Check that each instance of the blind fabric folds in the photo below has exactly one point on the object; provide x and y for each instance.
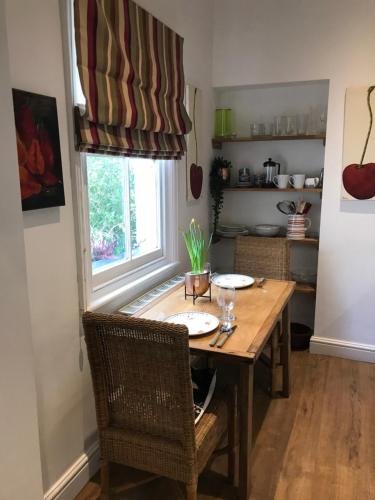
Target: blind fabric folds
(131, 73)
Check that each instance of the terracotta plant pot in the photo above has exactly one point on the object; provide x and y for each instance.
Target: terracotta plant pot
(225, 174)
(197, 283)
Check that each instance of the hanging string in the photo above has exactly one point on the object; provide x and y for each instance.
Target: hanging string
(195, 128)
(369, 90)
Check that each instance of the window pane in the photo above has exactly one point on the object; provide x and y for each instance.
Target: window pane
(144, 206)
(107, 202)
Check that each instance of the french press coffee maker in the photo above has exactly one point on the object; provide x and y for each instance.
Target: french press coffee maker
(272, 169)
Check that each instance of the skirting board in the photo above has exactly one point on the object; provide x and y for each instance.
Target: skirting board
(342, 349)
(76, 477)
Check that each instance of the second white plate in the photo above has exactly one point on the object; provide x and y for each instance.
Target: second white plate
(198, 323)
(233, 280)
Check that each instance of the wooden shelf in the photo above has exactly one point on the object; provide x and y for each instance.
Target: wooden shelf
(305, 288)
(306, 241)
(217, 142)
(275, 190)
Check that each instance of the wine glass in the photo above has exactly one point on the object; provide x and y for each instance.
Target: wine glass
(226, 299)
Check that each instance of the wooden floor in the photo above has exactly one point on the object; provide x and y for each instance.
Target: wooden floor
(319, 444)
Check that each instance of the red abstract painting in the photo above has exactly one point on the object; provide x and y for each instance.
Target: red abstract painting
(38, 148)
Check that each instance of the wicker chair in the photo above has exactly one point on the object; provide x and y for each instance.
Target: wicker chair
(144, 401)
(268, 257)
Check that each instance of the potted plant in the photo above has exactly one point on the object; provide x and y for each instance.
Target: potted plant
(219, 179)
(197, 280)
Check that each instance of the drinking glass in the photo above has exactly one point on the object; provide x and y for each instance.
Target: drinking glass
(254, 129)
(301, 124)
(261, 129)
(312, 122)
(291, 125)
(280, 125)
(269, 128)
(225, 299)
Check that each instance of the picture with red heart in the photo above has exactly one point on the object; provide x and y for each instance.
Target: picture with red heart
(358, 178)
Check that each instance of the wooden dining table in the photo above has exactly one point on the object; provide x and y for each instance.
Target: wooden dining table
(257, 312)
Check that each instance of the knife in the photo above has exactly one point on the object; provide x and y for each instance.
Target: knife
(216, 338)
(226, 336)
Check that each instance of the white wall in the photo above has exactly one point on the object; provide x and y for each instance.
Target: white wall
(20, 471)
(35, 51)
(65, 405)
(270, 41)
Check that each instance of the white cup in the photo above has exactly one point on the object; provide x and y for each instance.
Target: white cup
(297, 181)
(312, 182)
(281, 181)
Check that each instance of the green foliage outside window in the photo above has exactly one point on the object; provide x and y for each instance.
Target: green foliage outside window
(106, 207)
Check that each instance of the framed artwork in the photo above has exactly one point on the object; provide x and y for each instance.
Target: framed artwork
(358, 176)
(194, 172)
(38, 148)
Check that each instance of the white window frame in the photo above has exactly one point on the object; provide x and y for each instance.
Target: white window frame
(103, 286)
(113, 271)
(111, 294)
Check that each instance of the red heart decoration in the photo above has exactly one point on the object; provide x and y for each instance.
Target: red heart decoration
(196, 180)
(359, 181)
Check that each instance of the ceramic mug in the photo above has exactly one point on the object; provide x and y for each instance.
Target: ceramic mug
(297, 227)
(312, 182)
(297, 181)
(281, 181)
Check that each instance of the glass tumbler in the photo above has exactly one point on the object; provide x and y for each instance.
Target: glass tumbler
(291, 125)
(226, 299)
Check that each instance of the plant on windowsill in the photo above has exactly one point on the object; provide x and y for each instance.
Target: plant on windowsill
(197, 280)
(219, 179)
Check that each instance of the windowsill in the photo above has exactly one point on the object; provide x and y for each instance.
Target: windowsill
(112, 301)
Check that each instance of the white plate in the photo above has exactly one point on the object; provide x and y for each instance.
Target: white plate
(232, 234)
(234, 280)
(266, 230)
(198, 323)
(225, 227)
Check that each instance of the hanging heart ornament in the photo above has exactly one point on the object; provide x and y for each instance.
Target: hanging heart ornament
(196, 171)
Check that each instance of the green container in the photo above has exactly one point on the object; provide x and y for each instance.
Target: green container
(223, 122)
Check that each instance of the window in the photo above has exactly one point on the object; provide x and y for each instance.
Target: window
(124, 212)
(126, 216)
(125, 209)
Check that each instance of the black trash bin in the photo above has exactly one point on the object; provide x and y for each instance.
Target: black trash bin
(300, 336)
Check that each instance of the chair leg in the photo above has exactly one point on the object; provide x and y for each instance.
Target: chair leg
(192, 490)
(232, 437)
(104, 480)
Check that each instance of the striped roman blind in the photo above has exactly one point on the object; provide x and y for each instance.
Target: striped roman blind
(131, 72)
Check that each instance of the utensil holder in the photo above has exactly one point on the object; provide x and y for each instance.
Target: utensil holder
(297, 227)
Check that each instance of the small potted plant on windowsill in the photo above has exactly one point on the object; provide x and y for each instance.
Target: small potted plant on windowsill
(197, 280)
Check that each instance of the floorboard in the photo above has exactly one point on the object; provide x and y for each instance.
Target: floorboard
(318, 444)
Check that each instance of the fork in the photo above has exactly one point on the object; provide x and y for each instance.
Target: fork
(217, 336)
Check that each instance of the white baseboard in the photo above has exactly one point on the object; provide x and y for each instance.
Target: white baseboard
(342, 349)
(75, 478)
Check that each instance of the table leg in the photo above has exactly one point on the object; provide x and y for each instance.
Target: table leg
(245, 404)
(275, 339)
(285, 350)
